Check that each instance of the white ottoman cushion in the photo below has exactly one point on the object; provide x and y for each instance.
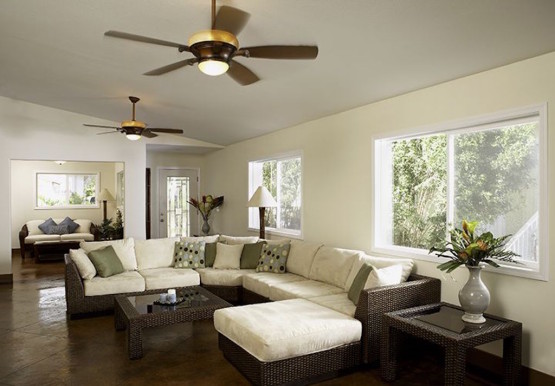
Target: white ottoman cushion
(302, 289)
(223, 277)
(261, 282)
(156, 278)
(287, 329)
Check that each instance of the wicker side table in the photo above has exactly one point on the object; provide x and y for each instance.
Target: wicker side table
(455, 336)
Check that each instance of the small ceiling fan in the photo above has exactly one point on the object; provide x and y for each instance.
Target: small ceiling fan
(133, 129)
(215, 49)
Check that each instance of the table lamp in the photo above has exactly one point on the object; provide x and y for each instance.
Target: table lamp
(262, 199)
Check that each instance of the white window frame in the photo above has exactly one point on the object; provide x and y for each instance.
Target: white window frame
(253, 181)
(96, 205)
(539, 271)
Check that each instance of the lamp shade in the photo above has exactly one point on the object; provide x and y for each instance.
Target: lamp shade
(262, 198)
(105, 195)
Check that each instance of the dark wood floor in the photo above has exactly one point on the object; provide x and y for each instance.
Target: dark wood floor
(40, 346)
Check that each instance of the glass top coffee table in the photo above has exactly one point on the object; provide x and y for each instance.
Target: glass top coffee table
(137, 312)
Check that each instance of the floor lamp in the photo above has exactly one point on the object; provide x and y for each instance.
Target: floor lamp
(105, 196)
(262, 199)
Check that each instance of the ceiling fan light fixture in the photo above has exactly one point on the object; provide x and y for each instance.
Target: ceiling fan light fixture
(133, 137)
(213, 67)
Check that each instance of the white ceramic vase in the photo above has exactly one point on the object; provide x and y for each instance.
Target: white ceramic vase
(474, 297)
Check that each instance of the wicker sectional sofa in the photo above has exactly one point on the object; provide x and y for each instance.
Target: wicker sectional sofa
(317, 276)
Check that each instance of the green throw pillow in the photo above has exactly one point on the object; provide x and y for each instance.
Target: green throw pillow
(106, 261)
(358, 283)
(188, 254)
(273, 258)
(251, 254)
(209, 254)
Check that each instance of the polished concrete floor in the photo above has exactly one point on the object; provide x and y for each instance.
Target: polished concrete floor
(40, 346)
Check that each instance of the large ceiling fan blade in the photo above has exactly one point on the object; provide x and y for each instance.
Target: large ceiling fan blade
(172, 67)
(162, 130)
(279, 52)
(241, 74)
(145, 39)
(101, 126)
(231, 20)
(107, 132)
(148, 134)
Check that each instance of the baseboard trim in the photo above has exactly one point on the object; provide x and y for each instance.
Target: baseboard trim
(6, 279)
(528, 376)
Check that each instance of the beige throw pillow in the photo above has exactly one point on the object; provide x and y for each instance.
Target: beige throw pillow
(228, 256)
(386, 276)
(84, 264)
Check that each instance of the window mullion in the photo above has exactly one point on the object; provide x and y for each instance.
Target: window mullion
(450, 182)
(278, 194)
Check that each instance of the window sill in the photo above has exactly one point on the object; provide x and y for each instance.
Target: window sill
(67, 207)
(278, 232)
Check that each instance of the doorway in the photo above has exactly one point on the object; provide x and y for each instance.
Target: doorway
(176, 216)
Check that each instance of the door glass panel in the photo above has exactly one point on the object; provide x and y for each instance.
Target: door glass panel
(177, 208)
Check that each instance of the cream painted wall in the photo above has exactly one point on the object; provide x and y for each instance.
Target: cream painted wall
(337, 185)
(23, 190)
(156, 160)
(33, 132)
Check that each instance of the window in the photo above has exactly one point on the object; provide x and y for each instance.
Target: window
(282, 177)
(57, 190)
(490, 170)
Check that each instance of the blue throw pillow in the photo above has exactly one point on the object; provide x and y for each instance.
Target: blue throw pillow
(72, 225)
(45, 226)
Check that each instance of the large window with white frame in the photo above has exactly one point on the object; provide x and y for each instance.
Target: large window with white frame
(491, 169)
(282, 176)
(66, 190)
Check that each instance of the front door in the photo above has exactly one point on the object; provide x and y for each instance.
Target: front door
(177, 217)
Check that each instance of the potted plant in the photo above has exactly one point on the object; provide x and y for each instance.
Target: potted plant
(466, 248)
(205, 206)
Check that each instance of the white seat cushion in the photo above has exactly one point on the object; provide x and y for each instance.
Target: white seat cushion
(77, 237)
(156, 278)
(302, 289)
(155, 253)
(301, 256)
(333, 265)
(338, 302)
(281, 330)
(124, 282)
(378, 262)
(125, 249)
(261, 282)
(42, 237)
(223, 277)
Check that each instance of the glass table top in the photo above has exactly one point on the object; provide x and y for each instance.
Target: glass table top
(187, 298)
(449, 318)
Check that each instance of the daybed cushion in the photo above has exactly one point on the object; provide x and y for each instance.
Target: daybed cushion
(379, 262)
(261, 282)
(124, 282)
(281, 330)
(333, 265)
(231, 240)
(223, 277)
(34, 238)
(301, 256)
(338, 302)
(155, 253)
(77, 237)
(156, 278)
(302, 289)
(125, 249)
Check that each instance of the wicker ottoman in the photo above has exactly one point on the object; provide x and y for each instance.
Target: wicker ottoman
(286, 341)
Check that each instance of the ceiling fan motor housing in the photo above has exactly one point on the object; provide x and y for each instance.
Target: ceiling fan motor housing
(133, 127)
(213, 45)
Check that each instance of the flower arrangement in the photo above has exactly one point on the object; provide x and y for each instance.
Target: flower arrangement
(465, 248)
(206, 205)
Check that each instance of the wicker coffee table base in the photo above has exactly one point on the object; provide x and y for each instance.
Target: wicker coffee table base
(317, 365)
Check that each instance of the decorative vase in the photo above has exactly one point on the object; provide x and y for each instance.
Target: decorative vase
(474, 297)
(205, 227)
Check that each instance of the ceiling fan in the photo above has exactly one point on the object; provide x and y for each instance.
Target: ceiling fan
(133, 129)
(214, 50)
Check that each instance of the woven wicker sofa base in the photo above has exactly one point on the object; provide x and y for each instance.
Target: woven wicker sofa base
(250, 297)
(231, 294)
(306, 368)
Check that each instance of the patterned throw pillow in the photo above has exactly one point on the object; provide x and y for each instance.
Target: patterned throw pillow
(58, 229)
(273, 258)
(188, 254)
(72, 225)
(45, 226)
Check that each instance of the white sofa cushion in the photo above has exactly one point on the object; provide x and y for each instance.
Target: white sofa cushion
(42, 237)
(379, 262)
(157, 278)
(338, 302)
(302, 289)
(155, 253)
(228, 256)
(301, 256)
(223, 277)
(84, 226)
(232, 240)
(33, 226)
(125, 249)
(261, 282)
(77, 237)
(83, 263)
(333, 265)
(281, 330)
(124, 282)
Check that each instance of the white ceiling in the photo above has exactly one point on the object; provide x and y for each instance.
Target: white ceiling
(54, 53)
